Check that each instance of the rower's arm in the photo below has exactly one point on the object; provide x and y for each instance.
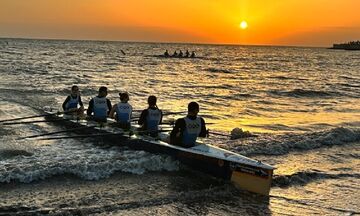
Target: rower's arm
(109, 106)
(80, 102)
(203, 131)
(176, 133)
(112, 112)
(65, 102)
(161, 117)
(90, 108)
(142, 117)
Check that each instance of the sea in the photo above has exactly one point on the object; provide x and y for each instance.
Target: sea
(302, 103)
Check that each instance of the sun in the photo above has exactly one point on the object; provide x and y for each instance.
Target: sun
(243, 25)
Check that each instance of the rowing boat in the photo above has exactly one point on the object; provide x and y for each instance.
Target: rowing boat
(245, 173)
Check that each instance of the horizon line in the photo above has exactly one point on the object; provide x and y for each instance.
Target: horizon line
(162, 42)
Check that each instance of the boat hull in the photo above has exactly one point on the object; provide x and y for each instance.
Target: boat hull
(245, 173)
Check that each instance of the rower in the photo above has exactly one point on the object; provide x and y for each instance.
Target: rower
(73, 101)
(99, 106)
(187, 54)
(186, 130)
(123, 111)
(151, 117)
(166, 53)
(192, 54)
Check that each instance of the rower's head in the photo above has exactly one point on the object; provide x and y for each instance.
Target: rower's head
(103, 91)
(74, 90)
(152, 100)
(124, 97)
(193, 109)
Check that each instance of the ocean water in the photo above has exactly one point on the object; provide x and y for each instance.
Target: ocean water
(303, 103)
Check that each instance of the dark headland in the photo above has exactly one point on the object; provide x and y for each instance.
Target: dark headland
(352, 45)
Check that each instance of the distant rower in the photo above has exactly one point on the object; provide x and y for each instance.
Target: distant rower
(187, 129)
(180, 54)
(187, 53)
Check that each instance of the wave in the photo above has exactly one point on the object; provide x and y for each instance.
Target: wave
(9, 153)
(348, 77)
(303, 93)
(218, 70)
(275, 127)
(283, 144)
(303, 178)
(226, 98)
(224, 86)
(350, 85)
(90, 164)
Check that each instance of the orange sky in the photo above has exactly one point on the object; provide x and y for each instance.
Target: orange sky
(276, 22)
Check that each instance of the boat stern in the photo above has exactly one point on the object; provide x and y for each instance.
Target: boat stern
(253, 179)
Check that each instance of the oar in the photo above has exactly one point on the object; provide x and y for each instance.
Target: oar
(173, 113)
(219, 134)
(57, 132)
(168, 123)
(243, 134)
(152, 131)
(81, 136)
(35, 116)
(29, 122)
(135, 118)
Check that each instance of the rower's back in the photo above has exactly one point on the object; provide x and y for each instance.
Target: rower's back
(123, 111)
(99, 106)
(189, 128)
(150, 118)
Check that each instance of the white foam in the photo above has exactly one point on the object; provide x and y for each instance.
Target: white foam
(283, 144)
(87, 162)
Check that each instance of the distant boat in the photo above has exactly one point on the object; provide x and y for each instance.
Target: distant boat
(177, 57)
(352, 45)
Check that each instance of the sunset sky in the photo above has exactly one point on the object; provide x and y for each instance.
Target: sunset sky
(269, 22)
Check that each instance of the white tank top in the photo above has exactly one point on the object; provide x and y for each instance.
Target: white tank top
(192, 130)
(100, 107)
(123, 112)
(72, 103)
(153, 119)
